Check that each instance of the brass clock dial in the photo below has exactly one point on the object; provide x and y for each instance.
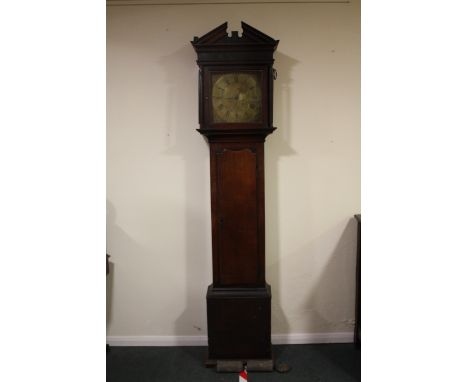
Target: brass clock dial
(236, 98)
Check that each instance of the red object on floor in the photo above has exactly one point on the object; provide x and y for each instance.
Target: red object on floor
(243, 376)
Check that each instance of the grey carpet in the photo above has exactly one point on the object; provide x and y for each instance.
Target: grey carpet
(311, 363)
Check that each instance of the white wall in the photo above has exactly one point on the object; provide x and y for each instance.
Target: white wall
(158, 167)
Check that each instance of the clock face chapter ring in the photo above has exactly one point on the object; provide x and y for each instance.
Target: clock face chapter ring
(236, 97)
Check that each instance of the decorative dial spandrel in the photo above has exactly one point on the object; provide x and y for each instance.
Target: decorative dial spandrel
(236, 98)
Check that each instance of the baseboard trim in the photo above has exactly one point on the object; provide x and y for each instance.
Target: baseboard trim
(276, 339)
(157, 340)
(312, 338)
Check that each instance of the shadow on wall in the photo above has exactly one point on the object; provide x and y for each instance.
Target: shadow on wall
(277, 145)
(127, 262)
(321, 281)
(109, 293)
(185, 142)
(334, 292)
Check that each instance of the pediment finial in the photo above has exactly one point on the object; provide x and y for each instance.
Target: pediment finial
(219, 35)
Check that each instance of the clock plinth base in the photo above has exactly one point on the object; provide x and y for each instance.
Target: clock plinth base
(239, 324)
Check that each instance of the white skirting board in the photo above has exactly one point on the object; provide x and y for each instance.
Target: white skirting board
(276, 339)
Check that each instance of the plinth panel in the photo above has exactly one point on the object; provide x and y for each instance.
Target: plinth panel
(239, 323)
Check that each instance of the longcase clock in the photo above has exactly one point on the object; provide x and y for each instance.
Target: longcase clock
(235, 115)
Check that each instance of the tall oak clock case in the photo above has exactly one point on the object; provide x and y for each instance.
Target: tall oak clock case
(235, 115)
